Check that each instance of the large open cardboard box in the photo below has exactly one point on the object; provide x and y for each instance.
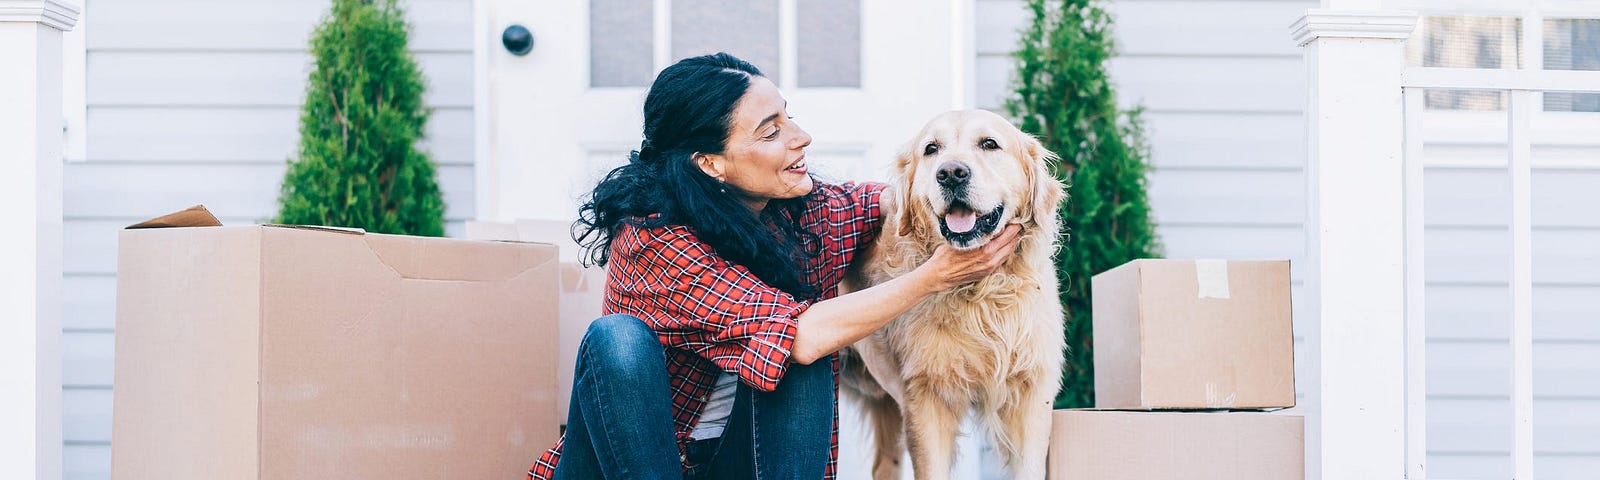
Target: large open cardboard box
(273, 352)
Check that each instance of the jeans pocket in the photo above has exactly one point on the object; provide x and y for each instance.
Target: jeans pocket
(698, 455)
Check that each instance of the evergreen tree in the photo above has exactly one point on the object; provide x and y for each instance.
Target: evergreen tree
(358, 164)
(1064, 96)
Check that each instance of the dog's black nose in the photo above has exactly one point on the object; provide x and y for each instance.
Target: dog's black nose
(953, 174)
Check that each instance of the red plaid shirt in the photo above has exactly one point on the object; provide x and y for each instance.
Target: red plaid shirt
(713, 316)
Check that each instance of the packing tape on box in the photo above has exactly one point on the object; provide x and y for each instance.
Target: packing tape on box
(1212, 276)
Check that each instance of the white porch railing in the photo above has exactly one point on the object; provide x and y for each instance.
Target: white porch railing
(1365, 418)
(1523, 87)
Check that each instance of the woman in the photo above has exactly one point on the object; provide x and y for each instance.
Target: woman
(724, 259)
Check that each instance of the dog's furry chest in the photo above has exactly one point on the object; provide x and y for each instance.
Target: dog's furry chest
(977, 335)
(974, 330)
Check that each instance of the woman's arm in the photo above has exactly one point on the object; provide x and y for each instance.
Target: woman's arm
(832, 324)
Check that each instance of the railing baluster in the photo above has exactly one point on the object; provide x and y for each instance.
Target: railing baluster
(1522, 104)
(1416, 331)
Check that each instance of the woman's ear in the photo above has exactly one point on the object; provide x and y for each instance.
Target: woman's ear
(905, 170)
(1047, 191)
(710, 164)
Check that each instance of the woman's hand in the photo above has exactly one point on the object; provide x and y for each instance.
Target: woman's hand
(950, 268)
(831, 324)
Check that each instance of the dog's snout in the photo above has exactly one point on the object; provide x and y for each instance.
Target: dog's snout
(953, 174)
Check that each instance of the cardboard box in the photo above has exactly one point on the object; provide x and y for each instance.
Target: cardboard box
(1118, 445)
(583, 289)
(1193, 334)
(272, 352)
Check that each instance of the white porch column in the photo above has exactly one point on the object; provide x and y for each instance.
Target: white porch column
(30, 254)
(1355, 239)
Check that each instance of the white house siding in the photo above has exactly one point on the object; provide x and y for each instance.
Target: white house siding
(1469, 302)
(194, 102)
(1224, 91)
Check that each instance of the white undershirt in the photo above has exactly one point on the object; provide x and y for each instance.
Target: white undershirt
(719, 406)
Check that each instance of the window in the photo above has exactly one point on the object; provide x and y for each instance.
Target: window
(1571, 44)
(621, 45)
(1495, 42)
(826, 49)
(1466, 42)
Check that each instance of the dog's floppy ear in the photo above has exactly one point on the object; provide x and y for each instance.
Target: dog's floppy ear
(904, 169)
(1047, 191)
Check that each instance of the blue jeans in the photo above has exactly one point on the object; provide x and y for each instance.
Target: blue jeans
(619, 424)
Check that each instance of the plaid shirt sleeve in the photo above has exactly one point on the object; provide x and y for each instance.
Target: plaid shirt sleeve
(849, 218)
(700, 303)
(866, 213)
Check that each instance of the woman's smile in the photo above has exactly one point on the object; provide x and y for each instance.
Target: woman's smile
(798, 167)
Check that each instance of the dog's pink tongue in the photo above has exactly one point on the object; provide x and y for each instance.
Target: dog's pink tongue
(960, 220)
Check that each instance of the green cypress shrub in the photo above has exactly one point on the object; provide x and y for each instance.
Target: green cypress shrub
(358, 164)
(1063, 95)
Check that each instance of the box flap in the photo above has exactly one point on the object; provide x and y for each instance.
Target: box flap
(491, 231)
(449, 259)
(323, 228)
(554, 232)
(196, 216)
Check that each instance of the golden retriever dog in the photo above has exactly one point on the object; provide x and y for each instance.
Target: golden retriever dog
(995, 345)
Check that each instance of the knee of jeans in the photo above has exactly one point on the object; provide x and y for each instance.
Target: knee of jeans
(621, 341)
(818, 376)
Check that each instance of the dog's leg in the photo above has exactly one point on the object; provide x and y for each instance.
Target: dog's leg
(1024, 427)
(931, 427)
(887, 433)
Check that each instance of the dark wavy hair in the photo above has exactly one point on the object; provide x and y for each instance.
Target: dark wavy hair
(689, 110)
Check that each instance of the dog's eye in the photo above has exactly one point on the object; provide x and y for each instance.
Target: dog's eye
(989, 144)
(931, 149)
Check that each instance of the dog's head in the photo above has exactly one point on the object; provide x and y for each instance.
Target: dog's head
(970, 172)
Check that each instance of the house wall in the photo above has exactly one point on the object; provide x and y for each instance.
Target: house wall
(198, 102)
(1224, 91)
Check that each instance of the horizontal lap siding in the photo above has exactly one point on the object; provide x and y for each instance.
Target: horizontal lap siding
(1224, 88)
(198, 102)
(1468, 266)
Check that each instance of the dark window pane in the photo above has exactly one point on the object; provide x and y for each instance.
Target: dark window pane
(621, 43)
(748, 29)
(1571, 44)
(829, 37)
(1466, 42)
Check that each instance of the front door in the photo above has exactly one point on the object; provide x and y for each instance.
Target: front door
(860, 76)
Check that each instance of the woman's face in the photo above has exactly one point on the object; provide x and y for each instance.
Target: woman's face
(764, 158)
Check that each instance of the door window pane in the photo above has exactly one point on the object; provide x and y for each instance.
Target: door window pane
(829, 42)
(1466, 42)
(748, 29)
(621, 43)
(1571, 45)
